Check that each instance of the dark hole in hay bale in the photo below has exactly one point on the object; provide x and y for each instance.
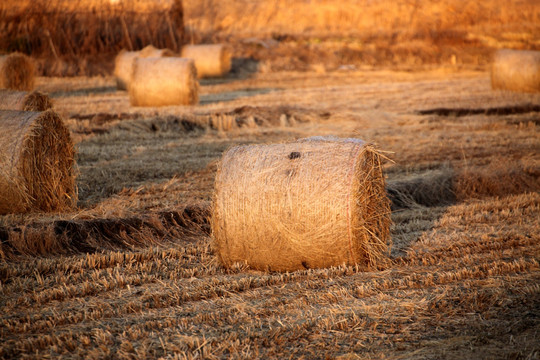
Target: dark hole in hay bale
(163, 81)
(516, 70)
(123, 63)
(17, 72)
(294, 155)
(24, 101)
(37, 164)
(213, 60)
(333, 211)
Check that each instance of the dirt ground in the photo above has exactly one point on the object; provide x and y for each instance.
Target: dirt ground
(132, 273)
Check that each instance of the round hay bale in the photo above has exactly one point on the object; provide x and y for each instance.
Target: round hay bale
(163, 81)
(210, 60)
(17, 72)
(516, 70)
(24, 101)
(308, 204)
(37, 163)
(123, 64)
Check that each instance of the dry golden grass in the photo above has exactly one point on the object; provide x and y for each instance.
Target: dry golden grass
(81, 37)
(463, 281)
(332, 35)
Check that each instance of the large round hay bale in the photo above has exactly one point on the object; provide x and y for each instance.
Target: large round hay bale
(123, 64)
(516, 70)
(24, 101)
(37, 163)
(306, 204)
(210, 60)
(163, 81)
(16, 72)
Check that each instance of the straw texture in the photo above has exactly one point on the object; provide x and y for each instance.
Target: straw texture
(123, 64)
(37, 166)
(17, 72)
(309, 204)
(516, 70)
(163, 81)
(210, 60)
(24, 101)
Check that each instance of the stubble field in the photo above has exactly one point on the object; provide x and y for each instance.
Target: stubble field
(463, 282)
(131, 273)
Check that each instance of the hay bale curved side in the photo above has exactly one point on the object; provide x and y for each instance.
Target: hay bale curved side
(163, 81)
(516, 70)
(37, 163)
(310, 204)
(24, 101)
(123, 63)
(122, 68)
(17, 72)
(210, 60)
(151, 51)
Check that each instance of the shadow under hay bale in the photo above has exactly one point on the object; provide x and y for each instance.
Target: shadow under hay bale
(516, 70)
(123, 63)
(17, 72)
(37, 164)
(308, 204)
(210, 60)
(163, 81)
(446, 187)
(24, 101)
(435, 189)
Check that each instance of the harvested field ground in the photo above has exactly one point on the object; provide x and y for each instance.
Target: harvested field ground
(132, 274)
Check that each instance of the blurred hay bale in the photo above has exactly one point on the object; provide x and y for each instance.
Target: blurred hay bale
(16, 72)
(37, 163)
(24, 101)
(516, 70)
(314, 203)
(163, 81)
(123, 64)
(210, 60)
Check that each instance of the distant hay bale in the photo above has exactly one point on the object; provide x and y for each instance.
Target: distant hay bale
(314, 203)
(163, 81)
(24, 101)
(16, 72)
(37, 166)
(210, 60)
(516, 70)
(123, 64)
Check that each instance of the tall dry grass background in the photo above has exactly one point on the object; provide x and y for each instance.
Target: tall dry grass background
(79, 34)
(81, 37)
(359, 17)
